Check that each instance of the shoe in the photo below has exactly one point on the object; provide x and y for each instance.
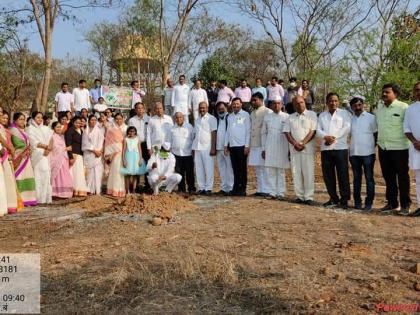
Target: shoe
(207, 192)
(220, 192)
(344, 205)
(227, 193)
(270, 197)
(259, 194)
(281, 198)
(309, 202)
(298, 200)
(406, 208)
(367, 208)
(358, 206)
(330, 204)
(389, 208)
(240, 194)
(415, 213)
(200, 192)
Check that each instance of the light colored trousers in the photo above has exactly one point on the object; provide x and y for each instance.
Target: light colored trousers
(170, 182)
(224, 164)
(417, 173)
(262, 183)
(94, 178)
(204, 169)
(303, 175)
(276, 181)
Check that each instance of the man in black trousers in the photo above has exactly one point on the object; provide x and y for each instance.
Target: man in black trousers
(237, 141)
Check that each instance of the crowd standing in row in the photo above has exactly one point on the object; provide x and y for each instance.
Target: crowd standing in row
(267, 128)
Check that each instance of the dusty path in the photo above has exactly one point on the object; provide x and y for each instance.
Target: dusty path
(229, 256)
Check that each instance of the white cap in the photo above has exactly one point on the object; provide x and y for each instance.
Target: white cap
(166, 146)
(277, 98)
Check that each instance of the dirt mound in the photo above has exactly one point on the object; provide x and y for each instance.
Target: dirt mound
(164, 205)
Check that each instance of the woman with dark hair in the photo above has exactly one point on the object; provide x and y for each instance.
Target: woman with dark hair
(24, 173)
(6, 158)
(39, 138)
(73, 137)
(92, 146)
(61, 178)
(114, 138)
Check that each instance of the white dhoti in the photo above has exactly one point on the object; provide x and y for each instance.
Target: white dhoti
(224, 164)
(276, 181)
(204, 169)
(78, 173)
(256, 160)
(42, 174)
(303, 175)
(170, 182)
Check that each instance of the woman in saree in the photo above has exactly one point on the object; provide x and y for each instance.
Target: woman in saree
(3, 195)
(39, 138)
(92, 146)
(73, 137)
(61, 178)
(13, 204)
(24, 173)
(114, 138)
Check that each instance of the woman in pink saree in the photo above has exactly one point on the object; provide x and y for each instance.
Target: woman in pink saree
(114, 138)
(61, 179)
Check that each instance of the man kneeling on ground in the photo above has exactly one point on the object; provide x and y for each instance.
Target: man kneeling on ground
(161, 167)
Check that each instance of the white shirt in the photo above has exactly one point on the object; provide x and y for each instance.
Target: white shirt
(196, 97)
(299, 126)
(412, 124)
(181, 139)
(100, 108)
(158, 130)
(64, 101)
(221, 133)
(165, 167)
(167, 96)
(81, 99)
(136, 96)
(179, 98)
(203, 127)
(362, 141)
(238, 133)
(337, 125)
(141, 125)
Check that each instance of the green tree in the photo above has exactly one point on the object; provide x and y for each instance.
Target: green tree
(215, 67)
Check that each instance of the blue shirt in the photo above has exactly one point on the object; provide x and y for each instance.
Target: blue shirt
(96, 93)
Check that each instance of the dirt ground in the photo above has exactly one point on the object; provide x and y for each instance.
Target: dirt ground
(217, 255)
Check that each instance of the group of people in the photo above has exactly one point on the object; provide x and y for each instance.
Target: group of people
(176, 147)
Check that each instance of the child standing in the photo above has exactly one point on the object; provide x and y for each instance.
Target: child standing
(133, 163)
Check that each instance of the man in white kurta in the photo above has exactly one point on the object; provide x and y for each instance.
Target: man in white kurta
(275, 150)
(161, 168)
(412, 131)
(158, 128)
(204, 146)
(300, 130)
(179, 98)
(197, 95)
(224, 163)
(255, 156)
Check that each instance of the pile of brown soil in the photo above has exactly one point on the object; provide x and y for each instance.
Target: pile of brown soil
(164, 205)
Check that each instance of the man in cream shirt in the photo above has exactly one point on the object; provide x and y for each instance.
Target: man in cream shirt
(179, 98)
(197, 95)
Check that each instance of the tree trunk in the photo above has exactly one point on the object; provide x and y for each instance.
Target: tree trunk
(165, 74)
(47, 70)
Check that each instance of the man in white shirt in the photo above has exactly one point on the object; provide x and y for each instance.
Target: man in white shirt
(333, 129)
(161, 168)
(167, 97)
(181, 139)
(158, 129)
(274, 90)
(81, 98)
(197, 95)
(137, 96)
(225, 93)
(179, 98)
(224, 163)
(64, 101)
(300, 129)
(412, 131)
(255, 156)
(100, 107)
(237, 141)
(364, 131)
(275, 150)
(140, 121)
(204, 146)
(245, 94)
